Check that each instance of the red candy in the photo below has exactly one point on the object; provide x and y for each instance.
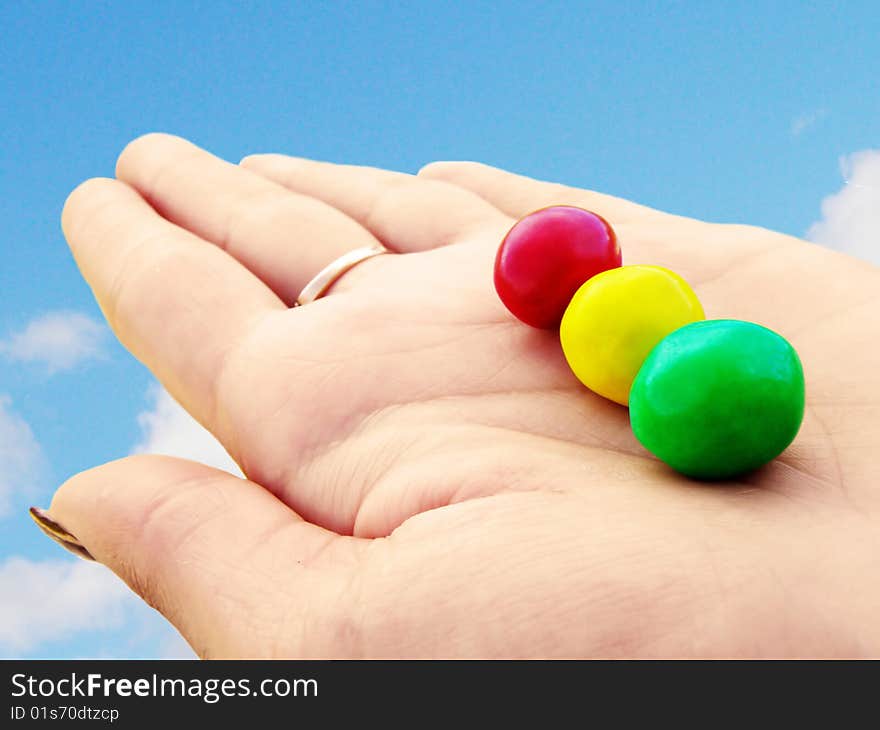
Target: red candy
(546, 256)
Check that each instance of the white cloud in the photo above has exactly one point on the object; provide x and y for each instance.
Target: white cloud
(51, 601)
(22, 463)
(851, 217)
(55, 600)
(168, 429)
(59, 340)
(44, 601)
(802, 123)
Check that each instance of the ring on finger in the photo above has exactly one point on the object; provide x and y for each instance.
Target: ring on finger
(330, 274)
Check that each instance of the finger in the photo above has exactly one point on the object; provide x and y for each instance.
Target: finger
(517, 195)
(401, 210)
(178, 304)
(284, 238)
(219, 557)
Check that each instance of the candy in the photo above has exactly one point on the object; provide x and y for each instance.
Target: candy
(546, 256)
(616, 318)
(718, 398)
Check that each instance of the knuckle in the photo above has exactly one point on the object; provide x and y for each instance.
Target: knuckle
(144, 144)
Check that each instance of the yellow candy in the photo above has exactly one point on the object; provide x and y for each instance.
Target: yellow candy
(616, 318)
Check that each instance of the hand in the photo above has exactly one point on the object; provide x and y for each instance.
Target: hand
(425, 476)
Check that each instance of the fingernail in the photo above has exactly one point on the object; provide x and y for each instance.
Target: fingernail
(58, 533)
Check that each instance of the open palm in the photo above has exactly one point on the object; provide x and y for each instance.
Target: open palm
(425, 476)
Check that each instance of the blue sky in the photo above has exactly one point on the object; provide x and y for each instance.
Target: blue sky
(735, 112)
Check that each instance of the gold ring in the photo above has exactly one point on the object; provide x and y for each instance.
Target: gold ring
(326, 277)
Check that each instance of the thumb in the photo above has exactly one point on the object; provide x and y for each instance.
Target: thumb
(220, 557)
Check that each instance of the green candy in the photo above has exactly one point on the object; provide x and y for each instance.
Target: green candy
(718, 398)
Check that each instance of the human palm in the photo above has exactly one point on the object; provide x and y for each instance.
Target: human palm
(425, 475)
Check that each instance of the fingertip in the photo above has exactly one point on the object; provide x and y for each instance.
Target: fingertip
(272, 161)
(149, 145)
(87, 491)
(441, 169)
(254, 160)
(89, 193)
(454, 169)
(59, 534)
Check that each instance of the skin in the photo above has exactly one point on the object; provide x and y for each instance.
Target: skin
(425, 476)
